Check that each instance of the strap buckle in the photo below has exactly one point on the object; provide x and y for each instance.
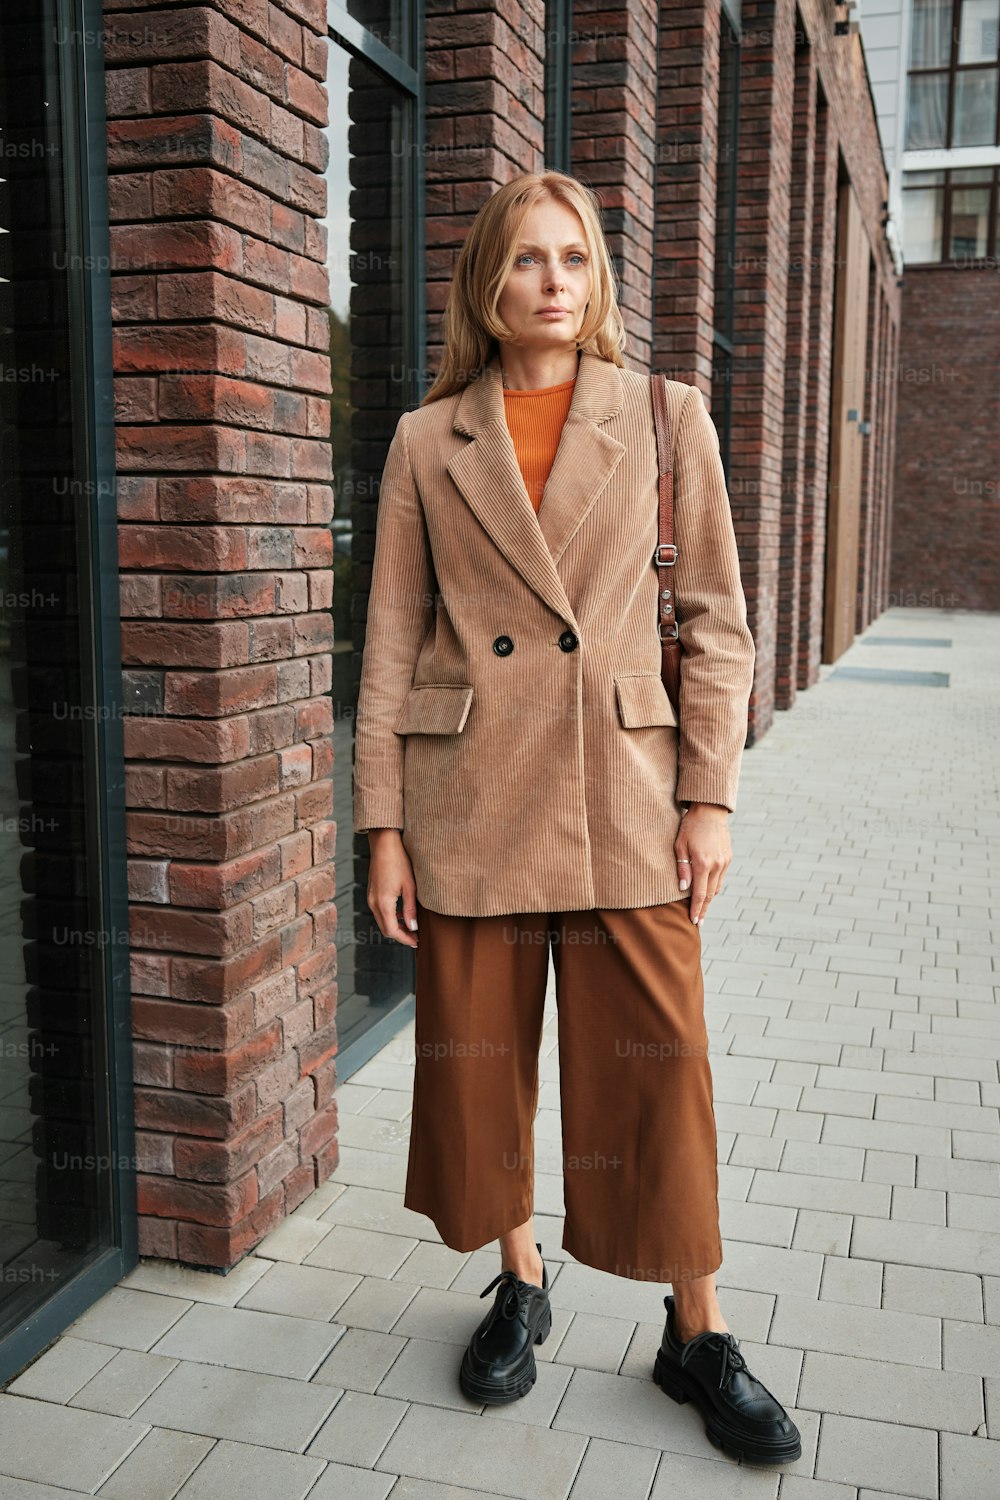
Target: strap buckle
(671, 633)
(662, 562)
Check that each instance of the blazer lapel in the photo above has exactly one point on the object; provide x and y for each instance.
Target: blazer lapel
(488, 476)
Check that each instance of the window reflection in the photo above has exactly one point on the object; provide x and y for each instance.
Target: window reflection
(367, 181)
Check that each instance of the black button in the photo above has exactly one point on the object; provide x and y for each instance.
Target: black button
(503, 645)
(568, 641)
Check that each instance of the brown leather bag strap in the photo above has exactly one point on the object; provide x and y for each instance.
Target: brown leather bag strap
(666, 552)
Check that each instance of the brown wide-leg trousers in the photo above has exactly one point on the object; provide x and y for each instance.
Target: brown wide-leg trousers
(640, 1174)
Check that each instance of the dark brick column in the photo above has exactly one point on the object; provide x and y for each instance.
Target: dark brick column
(216, 155)
(816, 455)
(485, 106)
(767, 96)
(797, 343)
(687, 160)
(614, 145)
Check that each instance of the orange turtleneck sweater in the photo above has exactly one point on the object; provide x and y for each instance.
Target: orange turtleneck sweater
(535, 419)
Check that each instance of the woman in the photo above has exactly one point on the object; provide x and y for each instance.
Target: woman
(524, 780)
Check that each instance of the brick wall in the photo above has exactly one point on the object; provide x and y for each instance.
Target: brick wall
(614, 146)
(216, 154)
(946, 521)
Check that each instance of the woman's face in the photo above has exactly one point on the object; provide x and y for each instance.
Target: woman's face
(551, 270)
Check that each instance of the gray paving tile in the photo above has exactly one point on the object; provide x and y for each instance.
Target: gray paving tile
(452, 1448)
(801, 1487)
(345, 1482)
(26, 1489)
(974, 1347)
(376, 1304)
(364, 1252)
(61, 1371)
(839, 1328)
(360, 1360)
(268, 1343)
(879, 1455)
(238, 1404)
(170, 1279)
(294, 1238)
(925, 1245)
(301, 1291)
(432, 1265)
(359, 1427)
(970, 1466)
(701, 1479)
(595, 1342)
(122, 1385)
(846, 1279)
(157, 1468)
(426, 1370)
(619, 1469)
(936, 1294)
(59, 1445)
(129, 1319)
(876, 1390)
(243, 1469)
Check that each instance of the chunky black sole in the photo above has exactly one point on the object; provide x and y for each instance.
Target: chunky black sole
(679, 1386)
(515, 1384)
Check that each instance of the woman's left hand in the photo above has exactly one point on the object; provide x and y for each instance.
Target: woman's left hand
(703, 839)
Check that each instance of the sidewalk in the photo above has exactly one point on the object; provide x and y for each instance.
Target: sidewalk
(855, 1035)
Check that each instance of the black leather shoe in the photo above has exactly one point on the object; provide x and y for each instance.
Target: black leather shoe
(741, 1415)
(499, 1364)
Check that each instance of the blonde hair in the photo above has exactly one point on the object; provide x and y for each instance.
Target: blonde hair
(472, 326)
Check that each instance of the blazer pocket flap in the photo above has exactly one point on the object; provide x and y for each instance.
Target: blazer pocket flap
(438, 708)
(642, 699)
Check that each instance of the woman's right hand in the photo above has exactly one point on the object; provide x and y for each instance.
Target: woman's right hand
(390, 875)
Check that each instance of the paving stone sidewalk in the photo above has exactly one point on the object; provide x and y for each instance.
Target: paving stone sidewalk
(855, 1041)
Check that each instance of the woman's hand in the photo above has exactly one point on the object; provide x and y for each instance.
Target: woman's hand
(390, 875)
(703, 841)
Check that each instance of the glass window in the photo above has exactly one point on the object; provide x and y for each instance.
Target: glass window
(923, 217)
(978, 31)
(975, 122)
(374, 241)
(64, 1151)
(952, 84)
(558, 85)
(927, 117)
(930, 36)
(387, 21)
(970, 223)
(950, 216)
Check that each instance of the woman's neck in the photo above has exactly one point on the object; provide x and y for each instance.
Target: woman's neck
(527, 370)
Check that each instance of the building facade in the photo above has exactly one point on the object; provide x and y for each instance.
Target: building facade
(233, 261)
(936, 67)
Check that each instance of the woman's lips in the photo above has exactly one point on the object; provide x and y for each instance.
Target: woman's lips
(554, 313)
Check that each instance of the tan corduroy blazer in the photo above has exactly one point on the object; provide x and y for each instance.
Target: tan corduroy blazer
(511, 720)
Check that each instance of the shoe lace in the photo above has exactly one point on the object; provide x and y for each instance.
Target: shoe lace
(509, 1302)
(732, 1359)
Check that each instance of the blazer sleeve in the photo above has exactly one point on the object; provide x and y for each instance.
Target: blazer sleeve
(717, 663)
(400, 613)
